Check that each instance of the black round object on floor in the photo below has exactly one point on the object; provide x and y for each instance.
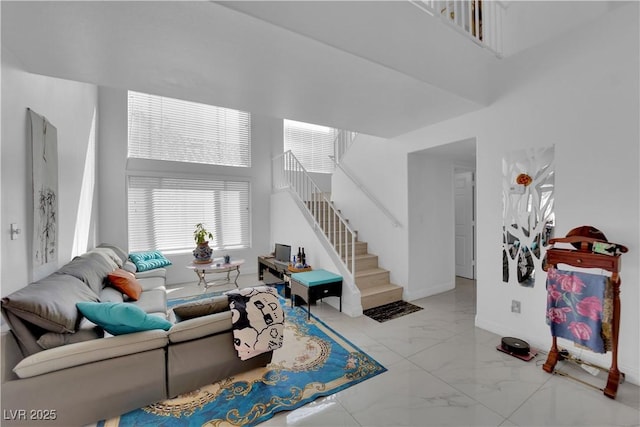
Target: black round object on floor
(515, 345)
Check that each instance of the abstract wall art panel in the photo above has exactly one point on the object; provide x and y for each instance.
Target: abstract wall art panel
(528, 215)
(44, 141)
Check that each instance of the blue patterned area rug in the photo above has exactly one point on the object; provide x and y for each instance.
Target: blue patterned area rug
(314, 361)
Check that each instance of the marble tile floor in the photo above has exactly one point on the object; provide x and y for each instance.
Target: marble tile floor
(443, 371)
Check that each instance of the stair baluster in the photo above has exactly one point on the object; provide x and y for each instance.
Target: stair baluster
(361, 267)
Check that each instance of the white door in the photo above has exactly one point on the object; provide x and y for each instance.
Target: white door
(465, 225)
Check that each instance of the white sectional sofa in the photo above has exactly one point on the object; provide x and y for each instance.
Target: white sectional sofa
(58, 368)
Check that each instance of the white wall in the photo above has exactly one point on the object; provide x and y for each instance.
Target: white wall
(432, 224)
(422, 243)
(71, 108)
(376, 165)
(579, 92)
(266, 143)
(527, 23)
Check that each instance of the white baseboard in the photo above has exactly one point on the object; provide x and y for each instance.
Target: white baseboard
(431, 290)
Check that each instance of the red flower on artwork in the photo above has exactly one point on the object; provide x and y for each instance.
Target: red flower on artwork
(553, 274)
(590, 307)
(571, 284)
(575, 304)
(580, 330)
(558, 314)
(553, 293)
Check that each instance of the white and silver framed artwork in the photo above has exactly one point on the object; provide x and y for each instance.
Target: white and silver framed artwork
(528, 217)
(44, 142)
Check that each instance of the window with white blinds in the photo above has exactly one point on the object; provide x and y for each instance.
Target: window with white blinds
(163, 213)
(311, 144)
(171, 129)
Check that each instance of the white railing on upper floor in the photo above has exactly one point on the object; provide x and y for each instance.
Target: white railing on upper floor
(289, 174)
(479, 20)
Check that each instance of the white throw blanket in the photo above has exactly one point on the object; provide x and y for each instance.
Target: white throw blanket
(258, 320)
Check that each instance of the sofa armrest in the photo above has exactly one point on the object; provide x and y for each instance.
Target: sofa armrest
(89, 351)
(156, 272)
(200, 327)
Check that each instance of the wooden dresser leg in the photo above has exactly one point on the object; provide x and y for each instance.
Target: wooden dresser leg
(612, 383)
(552, 358)
(614, 374)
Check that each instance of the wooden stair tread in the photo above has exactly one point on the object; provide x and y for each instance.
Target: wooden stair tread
(380, 295)
(358, 242)
(362, 257)
(365, 256)
(361, 248)
(370, 272)
(359, 257)
(379, 289)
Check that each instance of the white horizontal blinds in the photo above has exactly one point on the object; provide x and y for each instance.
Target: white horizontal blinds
(171, 129)
(163, 213)
(311, 144)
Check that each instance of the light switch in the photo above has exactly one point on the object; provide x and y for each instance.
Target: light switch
(15, 231)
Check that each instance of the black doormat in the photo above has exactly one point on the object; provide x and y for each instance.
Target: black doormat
(391, 311)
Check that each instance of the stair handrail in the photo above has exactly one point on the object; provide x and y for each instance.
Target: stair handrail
(367, 193)
(289, 174)
(342, 142)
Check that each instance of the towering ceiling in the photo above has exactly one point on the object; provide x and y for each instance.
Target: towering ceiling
(381, 68)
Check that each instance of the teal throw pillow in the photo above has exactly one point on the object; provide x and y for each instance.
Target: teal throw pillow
(119, 318)
(148, 260)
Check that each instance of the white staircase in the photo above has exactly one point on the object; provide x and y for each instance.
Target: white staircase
(373, 282)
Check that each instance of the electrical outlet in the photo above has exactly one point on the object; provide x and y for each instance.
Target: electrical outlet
(515, 306)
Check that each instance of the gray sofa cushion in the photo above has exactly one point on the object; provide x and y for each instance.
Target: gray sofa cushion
(111, 294)
(121, 253)
(92, 268)
(202, 307)
(26, 334)
(153, 301)
(156, 272)
(151, 283)
(52, 339)
(82, 269)
(199, 327)
(50, 303)
(111, 254)
(129, 266)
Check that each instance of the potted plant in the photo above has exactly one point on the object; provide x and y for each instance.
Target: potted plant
(202, 252)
